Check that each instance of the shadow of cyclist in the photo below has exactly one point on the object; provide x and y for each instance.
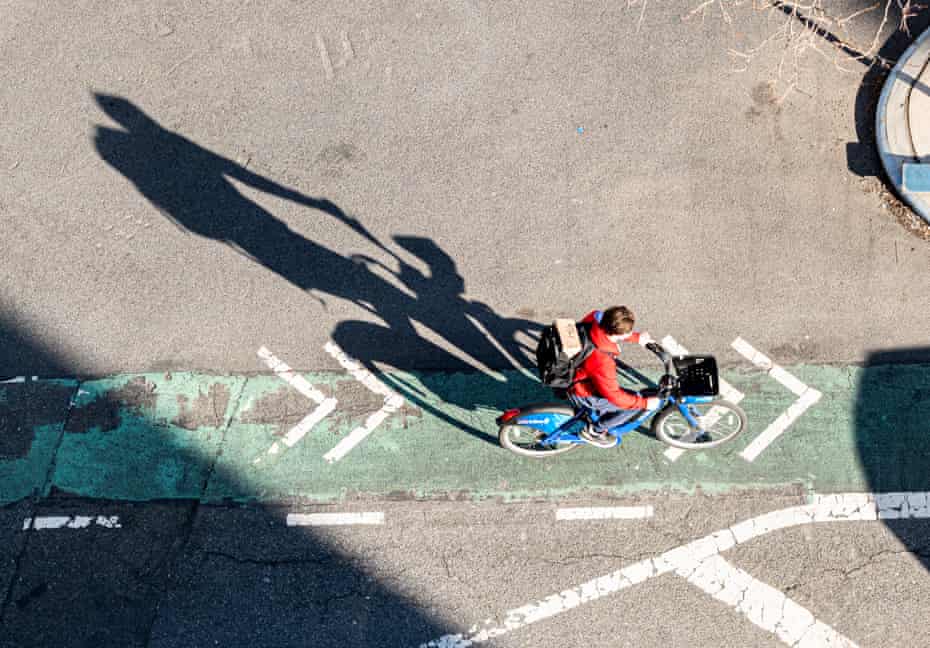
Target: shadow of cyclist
(191, 186)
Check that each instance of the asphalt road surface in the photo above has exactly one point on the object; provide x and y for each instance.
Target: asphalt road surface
(184, 185)
(193, 195)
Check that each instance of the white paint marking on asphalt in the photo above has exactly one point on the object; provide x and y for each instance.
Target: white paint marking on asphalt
(285, 373)
(763, 605)
(71, 522)
(324, 57)
(807, 396)
(687, 559)
(392, 402)
(497, 345)
(298, 382)
(728, 391)
(13, 381)
(605, 513)
(334, 519)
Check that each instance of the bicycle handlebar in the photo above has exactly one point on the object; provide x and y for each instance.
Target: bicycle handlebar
(667, 382)
(662, 354)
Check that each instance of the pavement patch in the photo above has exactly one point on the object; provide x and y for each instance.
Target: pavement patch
(32, 415)
(153, 452)
(113, 577)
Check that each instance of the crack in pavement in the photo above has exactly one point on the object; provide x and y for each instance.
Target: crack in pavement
(178, 548)
(704, 553)
(34, 500)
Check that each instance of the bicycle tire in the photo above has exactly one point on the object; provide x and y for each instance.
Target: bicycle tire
(504, 436)
(662, 427)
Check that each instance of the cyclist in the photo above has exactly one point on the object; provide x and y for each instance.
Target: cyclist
(596, 387)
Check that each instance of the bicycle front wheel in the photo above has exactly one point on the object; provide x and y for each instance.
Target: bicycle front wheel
(720, 422)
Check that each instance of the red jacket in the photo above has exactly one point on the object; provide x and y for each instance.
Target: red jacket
(597, 375)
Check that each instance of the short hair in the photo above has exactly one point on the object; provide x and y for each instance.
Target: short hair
(618, 320)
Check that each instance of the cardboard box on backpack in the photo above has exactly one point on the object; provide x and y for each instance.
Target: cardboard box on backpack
(569, 341)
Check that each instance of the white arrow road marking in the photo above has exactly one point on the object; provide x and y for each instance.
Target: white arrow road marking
(325, 405)
(392, 402)
(334, 519)
(605, 513)
(728, 391)
(699, 562)
(807, 396)
(71, 522)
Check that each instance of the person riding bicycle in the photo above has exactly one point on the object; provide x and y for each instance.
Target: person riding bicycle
(596, 387)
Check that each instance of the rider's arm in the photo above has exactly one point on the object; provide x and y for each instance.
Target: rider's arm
(637, 337)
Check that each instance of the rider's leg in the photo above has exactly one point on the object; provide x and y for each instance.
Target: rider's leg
(608, 414)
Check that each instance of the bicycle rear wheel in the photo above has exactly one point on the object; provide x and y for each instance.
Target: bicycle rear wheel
(526, 440)
(720, 422)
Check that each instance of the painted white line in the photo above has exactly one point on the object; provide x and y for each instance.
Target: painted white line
(13, 381)
(287, 374)
(334, 519)
(807, 396)
(763, 605)
(70, 522)
(605, 513)
(687, 559)
(392, 402)
(298, 382)
(727, 391)
(300, 430)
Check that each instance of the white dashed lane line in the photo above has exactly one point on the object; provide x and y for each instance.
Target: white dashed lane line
(334, 519)
(71, 522)
(605, 513)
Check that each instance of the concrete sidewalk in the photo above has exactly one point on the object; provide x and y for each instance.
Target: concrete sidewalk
(903, 126)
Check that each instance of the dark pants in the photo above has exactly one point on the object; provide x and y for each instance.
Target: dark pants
(608, 414)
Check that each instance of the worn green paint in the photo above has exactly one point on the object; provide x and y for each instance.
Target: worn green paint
(444, 442)
(148, 456)
(34, 413)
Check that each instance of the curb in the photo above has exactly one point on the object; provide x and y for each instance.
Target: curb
(894, 136)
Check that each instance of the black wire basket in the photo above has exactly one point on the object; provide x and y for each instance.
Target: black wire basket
(697, 375)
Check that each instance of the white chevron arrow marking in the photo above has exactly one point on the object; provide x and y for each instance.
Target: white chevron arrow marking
(807, 396)
(298, 382)
(392, 402)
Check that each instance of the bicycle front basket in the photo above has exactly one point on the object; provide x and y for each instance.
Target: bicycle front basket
(697, 375)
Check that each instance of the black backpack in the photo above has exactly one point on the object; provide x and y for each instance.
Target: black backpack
(556, 369)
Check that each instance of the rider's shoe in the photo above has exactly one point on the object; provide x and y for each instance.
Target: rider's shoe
(599, 439)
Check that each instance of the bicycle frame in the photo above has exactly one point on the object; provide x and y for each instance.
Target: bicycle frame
(557, 425)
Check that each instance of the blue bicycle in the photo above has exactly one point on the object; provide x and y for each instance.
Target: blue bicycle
(689, 415)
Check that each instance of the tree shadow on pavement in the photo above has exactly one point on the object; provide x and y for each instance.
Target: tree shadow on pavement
(172, 570)
(191, 187)
(892, 426)
(862, 156)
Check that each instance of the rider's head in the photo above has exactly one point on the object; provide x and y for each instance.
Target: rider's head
(617, 322)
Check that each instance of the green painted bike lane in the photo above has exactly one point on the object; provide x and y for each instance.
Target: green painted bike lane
(159, 436)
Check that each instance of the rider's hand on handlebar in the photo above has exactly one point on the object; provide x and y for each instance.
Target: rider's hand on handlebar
(652, 403)
(645, 338)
